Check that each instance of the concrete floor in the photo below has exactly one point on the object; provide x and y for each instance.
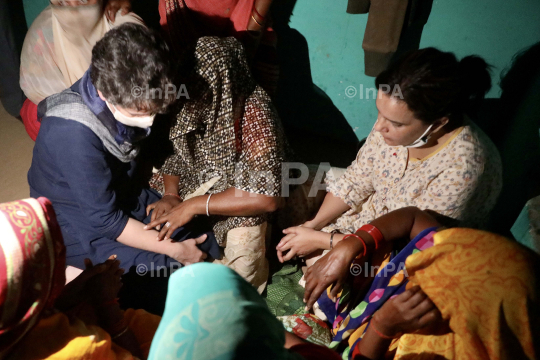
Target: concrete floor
(15, 158)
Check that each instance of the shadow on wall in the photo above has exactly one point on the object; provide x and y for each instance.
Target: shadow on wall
(316, 129)
(513, 123)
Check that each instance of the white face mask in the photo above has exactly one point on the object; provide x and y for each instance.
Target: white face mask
(135, 121)
(422, 140)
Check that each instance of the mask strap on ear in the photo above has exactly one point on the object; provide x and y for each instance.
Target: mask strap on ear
(422, 140)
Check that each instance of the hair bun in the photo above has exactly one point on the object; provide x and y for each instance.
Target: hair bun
(476, 78)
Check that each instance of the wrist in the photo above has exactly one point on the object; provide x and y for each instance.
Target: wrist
(175, 250)
(383, 327)
(196, 205)
(323, 240)
(313, 224)
(353, 245)
(171, 195)
(109, 315)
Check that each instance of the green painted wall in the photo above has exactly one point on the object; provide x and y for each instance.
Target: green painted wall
(493, 29)
(32, 8)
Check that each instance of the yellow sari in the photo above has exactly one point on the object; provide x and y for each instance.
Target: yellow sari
(487, 287)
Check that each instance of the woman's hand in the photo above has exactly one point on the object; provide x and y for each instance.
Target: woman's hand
(301, 241)
(113, 6)
(187, 252)
(406, 313)
(105, 286)
(332, 269)
(75, 292)
(162, 206)
(310, 225)
(178, 216)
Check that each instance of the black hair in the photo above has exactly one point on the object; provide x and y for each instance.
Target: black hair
(434, 84)
(131, 66)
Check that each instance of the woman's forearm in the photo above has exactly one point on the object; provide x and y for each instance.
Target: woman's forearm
(396, 225)
(170, 184)
(109, 317)
(331, 208)
(372, 346)
(135, 236)
(234, 202)
(259, 15)
(404, 223)
(263, 7)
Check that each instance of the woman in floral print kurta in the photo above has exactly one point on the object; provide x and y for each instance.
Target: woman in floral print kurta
(422, 152)
(460, 181)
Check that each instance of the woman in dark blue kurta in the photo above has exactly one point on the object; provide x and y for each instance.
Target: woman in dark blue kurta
(92, 191)
(85, 159)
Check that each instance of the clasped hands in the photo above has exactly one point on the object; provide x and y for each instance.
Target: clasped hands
(169, 214)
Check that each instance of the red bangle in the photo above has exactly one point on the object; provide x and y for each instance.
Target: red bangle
(110, 302)
(375, 233)
(172, 194)
(359, 238)
(372, 324)
(258, 14)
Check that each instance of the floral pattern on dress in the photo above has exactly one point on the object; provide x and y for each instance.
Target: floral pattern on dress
(462, 180)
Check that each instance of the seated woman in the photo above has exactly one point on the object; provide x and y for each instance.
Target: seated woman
(85, 157)
(43, 319)
(58, 48)
(423, 151)
(482, 284)
(228, 151)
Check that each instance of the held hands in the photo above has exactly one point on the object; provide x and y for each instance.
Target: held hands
(406, 313)
(176, 217)
(113, 6)
(301, 241)
(105, 286)
(75, 292)
(161, 207)
(332, 269)
(187, 252)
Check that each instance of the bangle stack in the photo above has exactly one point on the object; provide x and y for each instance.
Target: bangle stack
(375, 233)
(255, 12)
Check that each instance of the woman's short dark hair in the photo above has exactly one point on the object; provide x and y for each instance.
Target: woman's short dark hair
(132, 68)
(434, 84)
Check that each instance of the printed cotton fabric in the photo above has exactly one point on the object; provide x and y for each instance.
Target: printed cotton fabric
(350, 324)
(462, 180)
(228, 129)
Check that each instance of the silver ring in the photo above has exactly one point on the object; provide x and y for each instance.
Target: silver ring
(167, 224)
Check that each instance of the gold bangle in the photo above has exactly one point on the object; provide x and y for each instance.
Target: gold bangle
(258, 23)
